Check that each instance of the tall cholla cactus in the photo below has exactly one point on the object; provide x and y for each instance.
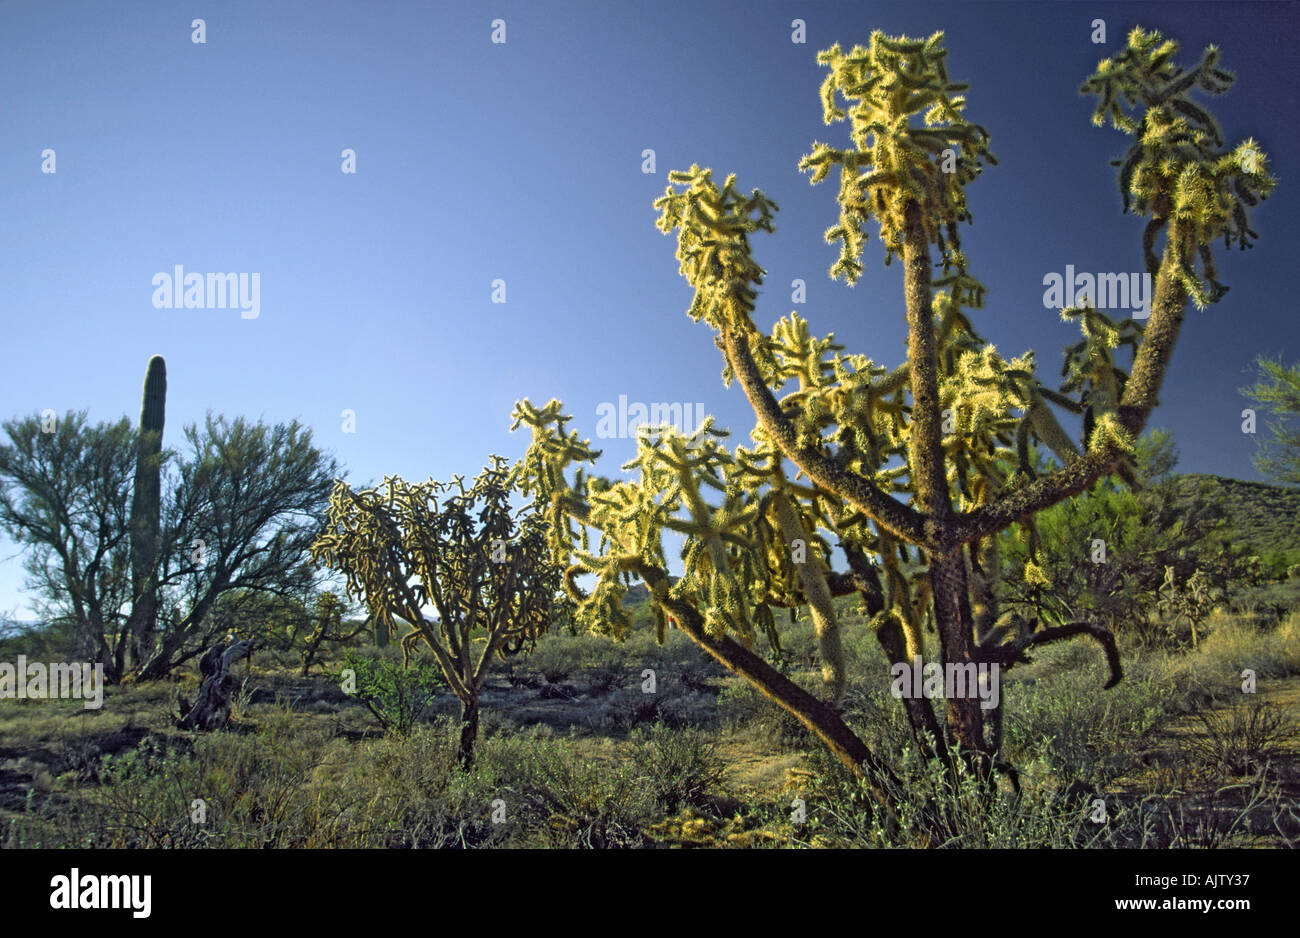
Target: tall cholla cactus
(145, 510)
(914, 471)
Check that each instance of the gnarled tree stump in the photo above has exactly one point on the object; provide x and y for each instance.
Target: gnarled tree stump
(212, 709)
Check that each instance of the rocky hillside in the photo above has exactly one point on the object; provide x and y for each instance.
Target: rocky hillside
(1265, 517)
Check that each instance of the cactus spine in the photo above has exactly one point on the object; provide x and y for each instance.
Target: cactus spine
(145, 510)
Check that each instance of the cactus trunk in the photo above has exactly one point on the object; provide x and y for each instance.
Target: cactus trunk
(812, 580)
(145, 512)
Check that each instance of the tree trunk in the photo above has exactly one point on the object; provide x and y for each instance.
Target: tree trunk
(119, 656)
(468, 732)
(105, 657)
(212, 709)
(160, 665)
(821, 720)
(178, 633)
(948, 586)
(953, 622)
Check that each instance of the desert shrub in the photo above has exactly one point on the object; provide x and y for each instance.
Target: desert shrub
(864, 651)
(1251, 814)
(222, 790)
(408, 791)
(1168, 554)
(681, 766)
(671, 704)
(599, 664)
(697, 676)
(1055, 714)
(556, 796)
(292, 785)
(397, 696)
(936, 810)
(1240, 741)
(605, 664)
(676, 655)
(558, 657)
(1057, 813)
(61, 641)
(1053, 809)
(1060, 718)
(145, 798)
(286, 659)
(1268, 603)
(799, 647)
(603, 679)
(1233, 646)
(877, 718)
(495, 723)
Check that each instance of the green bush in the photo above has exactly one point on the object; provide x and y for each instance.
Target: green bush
(1168, 554)
(1272, 602)
(1071, 725)
(397, 696)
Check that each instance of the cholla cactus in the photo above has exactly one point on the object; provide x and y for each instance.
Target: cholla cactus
(913, 471)
(1177, 170)
(460, 551)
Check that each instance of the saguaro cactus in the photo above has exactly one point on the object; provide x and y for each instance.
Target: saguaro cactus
(145, 508)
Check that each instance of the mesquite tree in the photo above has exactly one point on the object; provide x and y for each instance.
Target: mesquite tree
(65, 496)
(914, 470)
(238, 514)
(463, 553)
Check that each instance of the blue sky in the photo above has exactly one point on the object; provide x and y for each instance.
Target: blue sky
(522, 161)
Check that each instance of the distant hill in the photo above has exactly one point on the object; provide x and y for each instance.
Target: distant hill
(1264, 517)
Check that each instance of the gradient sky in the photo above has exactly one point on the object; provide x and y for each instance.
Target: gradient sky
(523, 161)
